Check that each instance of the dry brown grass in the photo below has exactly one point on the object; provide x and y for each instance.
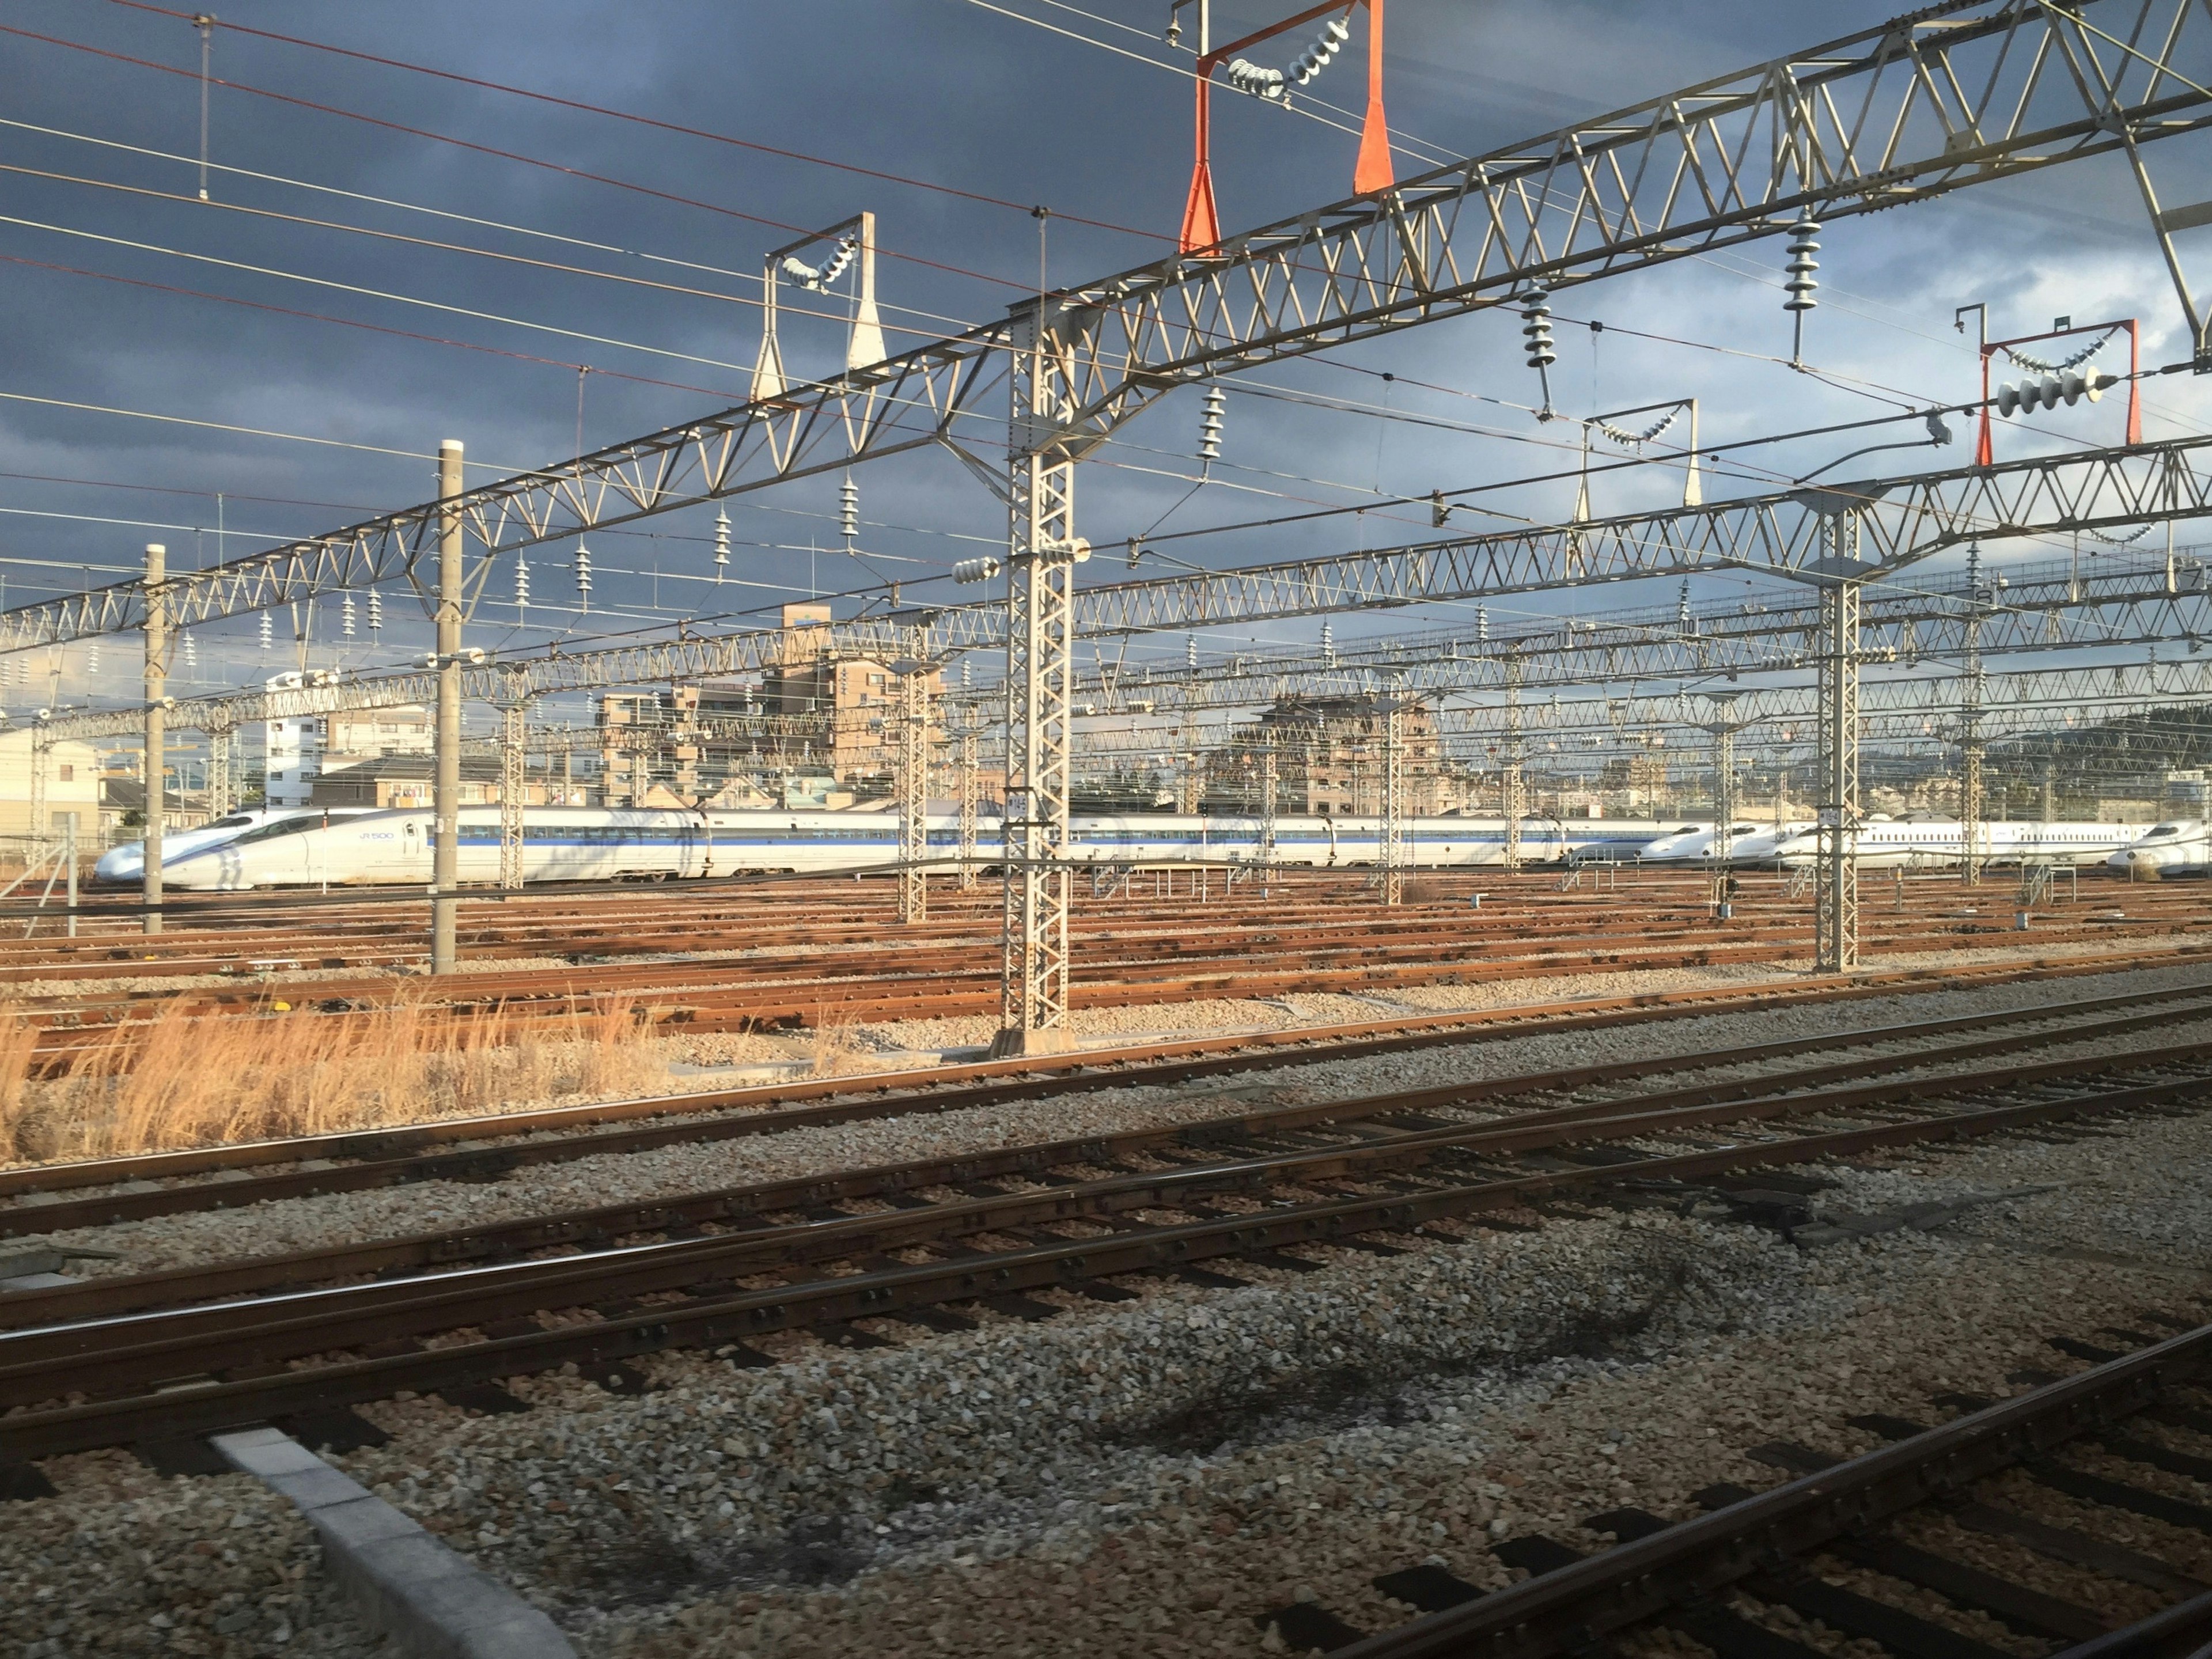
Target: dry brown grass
(838, 1052)
(181, 1080)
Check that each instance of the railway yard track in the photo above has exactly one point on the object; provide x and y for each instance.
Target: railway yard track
(744, 964)
(1009, 1198)
(908, 1243)
(1718, 1578)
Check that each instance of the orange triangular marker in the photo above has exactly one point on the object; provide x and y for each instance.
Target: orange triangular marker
(1202, 226)
(1374, 171)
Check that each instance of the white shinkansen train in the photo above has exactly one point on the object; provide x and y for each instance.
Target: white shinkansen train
(1750, 845)
(1912, 844)
(607, 844)
(2183, 848)
(128, 861)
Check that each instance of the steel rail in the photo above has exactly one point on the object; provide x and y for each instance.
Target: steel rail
(770, 990)
(121, 1293)
(172, 1289)
(382, 1164)
(1577, 1607)
(140, 1349)
(193, 1406)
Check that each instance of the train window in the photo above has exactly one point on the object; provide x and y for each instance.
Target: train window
(2163, 829)
(288, 827)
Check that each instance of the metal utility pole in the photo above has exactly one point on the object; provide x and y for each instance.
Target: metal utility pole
(969, 786)
(1394, 802)
(41, 744)
(218, 771)
(1042, 553)
(1972, 834)
(156, 747)
(1267, 786)
(1187, 789)
(446, 806)
(913, 790)
(1836, 888)
(1512, 805)
(1723, 730)
(513, 774)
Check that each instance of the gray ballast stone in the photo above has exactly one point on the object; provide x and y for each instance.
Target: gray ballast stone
(428, 1600)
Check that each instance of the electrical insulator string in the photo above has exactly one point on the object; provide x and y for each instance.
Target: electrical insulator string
(1804, 243)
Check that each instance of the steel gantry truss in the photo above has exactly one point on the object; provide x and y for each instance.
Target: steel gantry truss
(1954, 95)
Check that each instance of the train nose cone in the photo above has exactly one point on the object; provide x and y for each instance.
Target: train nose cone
(2144, 866)
(121, 864)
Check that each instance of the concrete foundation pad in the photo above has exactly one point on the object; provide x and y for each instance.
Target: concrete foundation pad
(429, 1600)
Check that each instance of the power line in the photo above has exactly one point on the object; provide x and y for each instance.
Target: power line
(372, 293)
(348, 322)
(483, 150)
(627, 115)
(748, 277)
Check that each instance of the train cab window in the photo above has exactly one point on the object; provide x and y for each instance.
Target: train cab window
(288, 827)
(2164, 829)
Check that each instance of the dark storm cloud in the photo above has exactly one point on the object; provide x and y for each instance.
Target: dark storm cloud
(934, 89)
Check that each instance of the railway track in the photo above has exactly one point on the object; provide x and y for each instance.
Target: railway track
(1932, 1515)
(1876, 1055)
(765, 969)
(486, 1149)
(1377, 1174)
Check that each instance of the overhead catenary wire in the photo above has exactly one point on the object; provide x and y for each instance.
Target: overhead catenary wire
(483, 150)
(684, 290)
(370, 293)
(585, 107)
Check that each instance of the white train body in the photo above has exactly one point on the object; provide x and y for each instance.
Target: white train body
(1899, 844)
(127, 862)
(371, 848)
(2182, 847)
(1750, 845)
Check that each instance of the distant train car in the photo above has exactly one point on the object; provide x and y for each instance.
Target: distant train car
(1750, 845)
(393, 847)
(559, 844)
(1882, 844)
(2183, 848)
(127, 862)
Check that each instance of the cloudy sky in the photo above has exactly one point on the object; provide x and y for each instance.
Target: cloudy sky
(378, 268)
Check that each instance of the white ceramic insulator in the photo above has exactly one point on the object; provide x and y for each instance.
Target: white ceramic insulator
(1256, 78)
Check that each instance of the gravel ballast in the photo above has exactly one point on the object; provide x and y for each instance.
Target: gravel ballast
(1177, 1464)
(125, 1562)
(538, 1189)
(1174, 1466)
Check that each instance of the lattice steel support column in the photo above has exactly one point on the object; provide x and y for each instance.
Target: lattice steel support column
(218, 771)
(1835, 874)
(1188, 782)
(1268, 808)
(1040, 686)
(1972, 832)
(1513, 804)
(970, 785)
(1723, 795)
(41, 746)
(154, 756)
(1394, 803)
(512, 783)
(445, 803)
(913, 795)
